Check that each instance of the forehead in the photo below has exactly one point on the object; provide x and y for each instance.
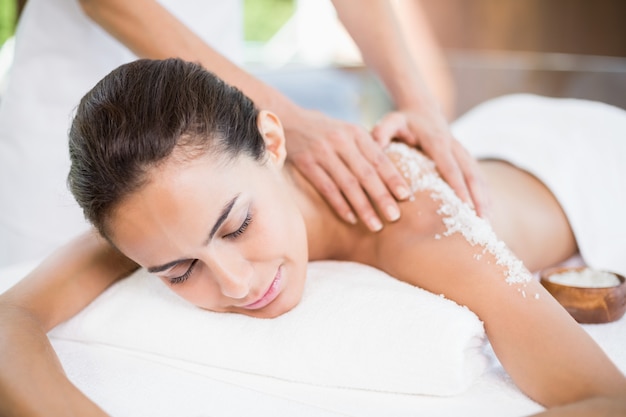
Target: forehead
(180, 180)
(177, 200)
(188, 169)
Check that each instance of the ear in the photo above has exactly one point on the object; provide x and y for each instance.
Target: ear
(272, 131)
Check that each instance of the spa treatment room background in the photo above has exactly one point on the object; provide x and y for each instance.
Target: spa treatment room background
(561, 48)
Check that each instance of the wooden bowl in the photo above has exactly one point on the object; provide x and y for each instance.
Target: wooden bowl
(588, 305)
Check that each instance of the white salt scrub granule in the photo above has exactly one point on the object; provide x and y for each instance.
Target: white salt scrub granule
(586, 278)
(457, 216)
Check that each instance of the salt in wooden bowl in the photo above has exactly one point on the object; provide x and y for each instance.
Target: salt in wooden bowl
(586, 302)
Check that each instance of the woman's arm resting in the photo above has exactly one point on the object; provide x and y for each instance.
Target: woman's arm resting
(32, 382)
(593, 407)
(423, 46)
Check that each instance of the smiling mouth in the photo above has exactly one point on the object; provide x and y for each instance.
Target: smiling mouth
(270, 295)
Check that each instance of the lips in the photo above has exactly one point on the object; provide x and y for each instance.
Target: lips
(270, 295)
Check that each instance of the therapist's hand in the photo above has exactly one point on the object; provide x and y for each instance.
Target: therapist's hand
(347, 166)
(431, 134)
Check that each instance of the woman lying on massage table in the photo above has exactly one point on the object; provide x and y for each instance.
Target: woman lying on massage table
(182, 176)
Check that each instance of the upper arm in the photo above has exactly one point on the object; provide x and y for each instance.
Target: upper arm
(68, 280)
(32, 380)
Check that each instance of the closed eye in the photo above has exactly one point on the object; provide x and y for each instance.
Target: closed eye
(183, 277)
(242, 228)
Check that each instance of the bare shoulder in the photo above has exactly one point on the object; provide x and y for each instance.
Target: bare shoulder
(439, 234)
(420, 214)
(527, 216)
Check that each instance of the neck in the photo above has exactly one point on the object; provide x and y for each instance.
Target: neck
(328, 236)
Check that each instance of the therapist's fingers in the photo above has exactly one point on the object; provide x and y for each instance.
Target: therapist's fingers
(372, 162)
(460, 170)
(324, 184)
(365, 176)
(324, 166)
(392, 126)
(473, 179)
(455, 165)
(436, 141)
(347, 167)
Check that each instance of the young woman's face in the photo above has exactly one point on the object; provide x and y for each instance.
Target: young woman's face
(227, 237)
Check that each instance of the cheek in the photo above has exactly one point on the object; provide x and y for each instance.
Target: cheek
(282, 229)
(199, 291)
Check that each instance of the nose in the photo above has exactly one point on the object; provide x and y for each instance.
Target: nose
(232, 273)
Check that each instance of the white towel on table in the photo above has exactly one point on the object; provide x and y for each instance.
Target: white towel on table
(355, 327)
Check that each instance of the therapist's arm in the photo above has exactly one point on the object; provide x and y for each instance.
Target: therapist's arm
(340, 159)
(378, 34)
(32, 381)
(425, 50)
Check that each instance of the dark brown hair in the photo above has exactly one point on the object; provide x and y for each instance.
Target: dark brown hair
(135, 118)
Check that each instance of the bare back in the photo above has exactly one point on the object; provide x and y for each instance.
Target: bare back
(527, 216)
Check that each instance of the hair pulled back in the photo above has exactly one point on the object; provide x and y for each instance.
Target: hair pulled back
(136, 117)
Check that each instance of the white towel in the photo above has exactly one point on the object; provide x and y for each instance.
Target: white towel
(355, 327)
(577, 148)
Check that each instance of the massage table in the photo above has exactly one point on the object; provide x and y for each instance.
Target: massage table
(360, 343)
(127, 381)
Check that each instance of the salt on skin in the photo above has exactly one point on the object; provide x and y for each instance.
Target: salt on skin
(458, 217)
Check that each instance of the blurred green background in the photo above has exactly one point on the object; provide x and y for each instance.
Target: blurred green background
(7, 19)
(262, 18)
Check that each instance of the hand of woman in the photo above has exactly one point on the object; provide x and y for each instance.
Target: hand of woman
(346, 166)
(431, 134)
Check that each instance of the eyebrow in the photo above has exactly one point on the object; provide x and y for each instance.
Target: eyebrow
(221, 219)
(223, 216)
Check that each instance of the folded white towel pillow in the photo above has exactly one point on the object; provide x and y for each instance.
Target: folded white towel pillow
(355, 327)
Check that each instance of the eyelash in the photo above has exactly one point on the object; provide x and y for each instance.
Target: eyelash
(242, 228)
(183, 277)
(233, 235)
